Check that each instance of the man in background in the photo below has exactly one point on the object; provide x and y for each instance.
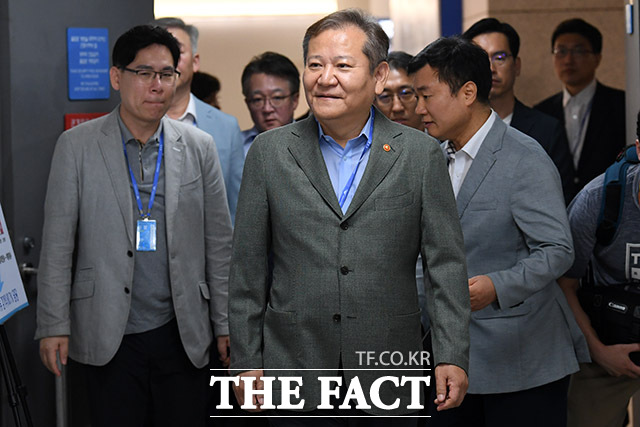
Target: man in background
(592, 113)
(270, 85)
(189, 109)
(502, 43)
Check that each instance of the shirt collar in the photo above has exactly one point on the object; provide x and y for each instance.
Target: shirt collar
(582, 97)
(473, 145)
(362, 137)
(128, 136)
(190, 111)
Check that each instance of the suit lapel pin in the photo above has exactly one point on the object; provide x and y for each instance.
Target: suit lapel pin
(386, 147)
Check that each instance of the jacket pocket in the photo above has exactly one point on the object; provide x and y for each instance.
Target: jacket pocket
(395, 202)
(83, 283)
(204, 290)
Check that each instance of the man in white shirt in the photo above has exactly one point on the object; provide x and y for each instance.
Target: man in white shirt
(187, 108)
(524, 340)
(592, 113)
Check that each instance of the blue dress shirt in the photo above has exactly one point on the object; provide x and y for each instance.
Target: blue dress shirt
(341, 162)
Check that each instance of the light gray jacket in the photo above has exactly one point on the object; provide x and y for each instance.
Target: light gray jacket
(516, 231)
(88, 250)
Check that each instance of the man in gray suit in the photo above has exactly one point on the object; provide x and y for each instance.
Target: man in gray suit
(186, 108)
(345, 200)
(524, 340)
(136, 248)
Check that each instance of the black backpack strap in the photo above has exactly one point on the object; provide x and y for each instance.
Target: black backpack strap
(615, 180)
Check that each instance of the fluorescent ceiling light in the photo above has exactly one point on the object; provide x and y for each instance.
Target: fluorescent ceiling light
(213, 8)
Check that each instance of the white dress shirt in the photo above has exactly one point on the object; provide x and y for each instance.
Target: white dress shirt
(577, 110)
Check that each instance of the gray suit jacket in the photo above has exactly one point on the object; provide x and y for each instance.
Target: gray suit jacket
(516, 231)
(344, 283)
(229, 143)
(88, 250)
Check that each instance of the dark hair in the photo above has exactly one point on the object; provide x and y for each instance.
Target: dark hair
(204, 86)
(272, 64)
(376, 46)
(191, 31)
(579, 26)
(137, 38)
(492, 25)
(399, 60)
(638, 126)
(457, 61)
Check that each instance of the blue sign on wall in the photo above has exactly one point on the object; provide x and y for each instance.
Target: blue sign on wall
(88, 61)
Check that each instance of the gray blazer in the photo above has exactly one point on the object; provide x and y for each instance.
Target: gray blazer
(88, 250)
(344, 283)
(516, 231)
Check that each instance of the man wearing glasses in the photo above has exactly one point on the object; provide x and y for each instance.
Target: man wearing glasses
(136, 248)
(592, 113)
(502, 43)
(270, 85)
(398, 100)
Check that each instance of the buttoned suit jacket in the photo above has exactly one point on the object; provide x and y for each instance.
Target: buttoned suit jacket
(229, 142)
(88, 251)
(516, 231)
(606, 131)
(549, 133)
(344, 283)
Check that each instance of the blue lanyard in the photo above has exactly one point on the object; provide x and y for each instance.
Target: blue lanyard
(134, 183)
(347, 187)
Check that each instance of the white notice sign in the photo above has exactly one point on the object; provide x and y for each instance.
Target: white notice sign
(12, 295)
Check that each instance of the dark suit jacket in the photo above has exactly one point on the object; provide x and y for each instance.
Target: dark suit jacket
(344, 283)
(549, 133)
(605, 136)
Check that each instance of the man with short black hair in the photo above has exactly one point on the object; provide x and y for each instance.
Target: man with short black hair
(189, 109)
(398, 100)
(510, 204)
(136, 246)
(502, 43)
(270, 85)
(593, 114)
(614, 264)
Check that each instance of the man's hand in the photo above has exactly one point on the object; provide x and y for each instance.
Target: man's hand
(615, 359)
(223, 350)
(258, 384)
(49, 347)
(482, 292)
(451, 386)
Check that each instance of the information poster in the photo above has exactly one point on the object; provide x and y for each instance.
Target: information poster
(12, 295)
(88, 62)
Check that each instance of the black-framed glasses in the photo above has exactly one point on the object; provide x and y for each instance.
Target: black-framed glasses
(147, 76)
(499, 58)
(258, 102)
(576, 52)
(405, 95)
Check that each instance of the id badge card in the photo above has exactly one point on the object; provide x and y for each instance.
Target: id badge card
(146, 235)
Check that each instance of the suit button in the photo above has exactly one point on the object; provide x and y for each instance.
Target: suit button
(344, 270)
(344, 225)
(576, 180)
(129, 254)
(336, 317)
(126, 290)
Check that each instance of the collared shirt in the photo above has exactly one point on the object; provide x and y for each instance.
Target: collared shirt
(189, 115)
(341, 162)
(151, 303)
(508, 119)
(248, 136)
(461, 162)
(577, 110)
